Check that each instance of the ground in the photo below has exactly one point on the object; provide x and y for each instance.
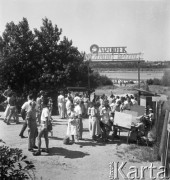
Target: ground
(84, 160)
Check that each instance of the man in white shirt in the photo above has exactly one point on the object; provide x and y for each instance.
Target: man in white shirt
(61, 105)
(45, 117)
(68, 105)
(133, 100)
(24, 109)
(76, 99)
(39, 101)
(127, 104)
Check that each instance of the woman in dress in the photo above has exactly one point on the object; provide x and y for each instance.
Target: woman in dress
(94, 126)
(78, 112)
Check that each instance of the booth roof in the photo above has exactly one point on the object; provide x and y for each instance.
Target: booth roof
(146, 93)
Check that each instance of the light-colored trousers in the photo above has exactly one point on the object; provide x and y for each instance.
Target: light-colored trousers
(6, 113)
(61, 109)
(13, 112)
(32, 135)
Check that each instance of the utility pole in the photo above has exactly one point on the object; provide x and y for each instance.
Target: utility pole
(89, 74)
(139, 80)
(139, 73)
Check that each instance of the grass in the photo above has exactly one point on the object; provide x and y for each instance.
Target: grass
(143, 153)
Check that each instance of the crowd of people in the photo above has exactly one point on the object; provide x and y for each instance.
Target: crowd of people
(34, 113)
(73, 107)
(100, 111)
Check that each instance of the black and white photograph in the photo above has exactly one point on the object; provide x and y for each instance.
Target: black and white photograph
(84, 89)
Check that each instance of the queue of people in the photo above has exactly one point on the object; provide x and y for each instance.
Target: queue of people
(100, 112)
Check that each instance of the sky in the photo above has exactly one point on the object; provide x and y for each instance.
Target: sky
(140, 25)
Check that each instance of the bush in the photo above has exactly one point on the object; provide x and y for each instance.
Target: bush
(97, 80)
(166, 78)
(165, 81)
(154, 81)
(14, 165)
(104, 80)
(131, 82)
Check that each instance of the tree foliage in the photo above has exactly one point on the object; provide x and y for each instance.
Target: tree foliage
(165, 81)
(166, 78)
(14, 165)
(17, 47)
(40, 59)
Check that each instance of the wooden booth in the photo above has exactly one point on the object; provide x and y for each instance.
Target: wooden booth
(146, 99)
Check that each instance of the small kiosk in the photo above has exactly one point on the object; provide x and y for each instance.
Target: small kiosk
(146, 99)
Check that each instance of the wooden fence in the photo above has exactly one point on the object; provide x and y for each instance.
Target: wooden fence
(162, 125)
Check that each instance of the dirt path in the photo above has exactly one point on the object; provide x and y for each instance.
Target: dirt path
(85, 160)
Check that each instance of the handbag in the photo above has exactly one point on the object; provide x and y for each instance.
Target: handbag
(49, 127)
(66, 140)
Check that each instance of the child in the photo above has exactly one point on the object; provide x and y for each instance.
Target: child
(72, 124)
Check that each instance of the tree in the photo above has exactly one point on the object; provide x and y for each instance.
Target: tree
(166, 78)
(60, 61)
(17, 50)
(40, 60)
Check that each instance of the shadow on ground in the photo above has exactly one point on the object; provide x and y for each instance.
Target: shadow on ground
(55, 138)
(59, 151)
(90, 143)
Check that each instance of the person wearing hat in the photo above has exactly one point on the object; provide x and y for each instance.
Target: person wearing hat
(151, 116)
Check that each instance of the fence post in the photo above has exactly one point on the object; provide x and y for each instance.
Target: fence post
(164, 137)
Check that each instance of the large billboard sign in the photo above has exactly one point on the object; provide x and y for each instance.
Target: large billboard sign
(111, 54)
(96, 49)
